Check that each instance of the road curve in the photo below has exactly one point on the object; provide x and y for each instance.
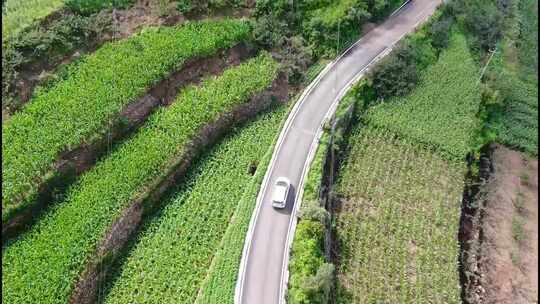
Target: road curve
(263, 269)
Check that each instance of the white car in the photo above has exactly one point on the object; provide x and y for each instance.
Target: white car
(281, 192)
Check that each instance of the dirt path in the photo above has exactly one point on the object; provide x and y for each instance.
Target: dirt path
(509, 250)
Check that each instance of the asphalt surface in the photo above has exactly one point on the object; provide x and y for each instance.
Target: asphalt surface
(262, 278)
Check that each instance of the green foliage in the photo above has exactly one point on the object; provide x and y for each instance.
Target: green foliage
(205, 6)
(312, 211)
(515, 120)
(220, 283)
(482, 19)
(512, 78)
(319, 22)
(440, 33)
(53, 253)
(307, 257)
(87, 7)
(317, 288)
(527, 41)
(441, 111)
(18, 14)
(399, 221)
(95, 91)
(203, 208)
(398, 74)
(49, 44)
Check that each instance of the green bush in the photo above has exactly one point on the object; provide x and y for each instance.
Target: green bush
(206, 6)
(81, 107)
(39, 43)
(317, 288)
(312, 211)
(87, 7)
(396, 75)
(482, 19)
(440, 33)
(306, 259)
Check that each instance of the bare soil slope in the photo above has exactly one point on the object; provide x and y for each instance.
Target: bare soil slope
(509, 250)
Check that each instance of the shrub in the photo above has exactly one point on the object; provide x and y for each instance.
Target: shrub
(312, 211)
(396, 75)
(317, 288)
(306, 258)
(440, 33)
(87, 7)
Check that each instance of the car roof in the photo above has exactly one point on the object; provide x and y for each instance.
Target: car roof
(279, 193)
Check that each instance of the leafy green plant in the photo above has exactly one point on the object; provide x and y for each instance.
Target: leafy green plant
(202, 209)
(54, 252)
(307, 256)
(441, 112)
(87, 7)
(18, 14)
(82, 106)
(399, 220)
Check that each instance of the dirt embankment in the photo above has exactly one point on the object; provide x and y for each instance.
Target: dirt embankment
(74, 162)
(127, 224)
(507, 248)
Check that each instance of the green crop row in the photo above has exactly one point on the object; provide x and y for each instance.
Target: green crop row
(398, 222)
(54, 252)
(184, 239)
(220, 282)
(96, 89)
(441, 111)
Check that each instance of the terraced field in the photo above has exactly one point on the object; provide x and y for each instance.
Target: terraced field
(441, 111)
(401, 186)
(187, 238)
(53, 254)
(83, 107)
(398, 223)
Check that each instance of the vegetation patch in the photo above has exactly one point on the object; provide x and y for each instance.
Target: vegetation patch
(20, 14)
(220, 283)
(441, 112)
(513, 82)
(54, 252)
(88, 101)
(400, 206)
(184, 238)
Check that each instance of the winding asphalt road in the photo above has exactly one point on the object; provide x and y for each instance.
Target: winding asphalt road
(263, 271)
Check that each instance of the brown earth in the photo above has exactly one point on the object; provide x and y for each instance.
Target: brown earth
(508, 252)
